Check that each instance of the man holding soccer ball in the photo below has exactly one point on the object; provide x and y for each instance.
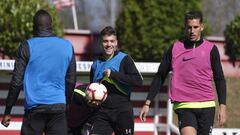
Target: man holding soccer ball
(117, 72)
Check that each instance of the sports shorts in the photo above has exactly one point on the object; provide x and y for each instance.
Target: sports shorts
(119, 121)
(201, 119)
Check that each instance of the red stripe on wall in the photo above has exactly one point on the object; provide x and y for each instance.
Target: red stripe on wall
(145, 88)
(9, 132)
(19, 102)
(162, 104)
(4, 86)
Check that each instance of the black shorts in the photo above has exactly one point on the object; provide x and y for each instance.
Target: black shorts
(80, 130)
(35, 123)
(119, 121)
(201, 119)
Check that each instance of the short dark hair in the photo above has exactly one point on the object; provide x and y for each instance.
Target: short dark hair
(108, 31)
(42, 18)
(194, 15)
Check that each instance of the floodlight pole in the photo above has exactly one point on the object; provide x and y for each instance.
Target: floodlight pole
(74, 13)
(112, 13)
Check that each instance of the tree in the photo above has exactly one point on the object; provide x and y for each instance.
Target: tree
(147, 28)
(232, 40)
(16, 22)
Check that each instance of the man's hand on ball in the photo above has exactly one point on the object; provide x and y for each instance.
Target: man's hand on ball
(107, 72)
(94, 103)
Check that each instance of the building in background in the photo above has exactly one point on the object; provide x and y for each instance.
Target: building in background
(83, 19)
(219, 13)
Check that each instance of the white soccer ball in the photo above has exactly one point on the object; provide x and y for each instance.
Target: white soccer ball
(96, 92)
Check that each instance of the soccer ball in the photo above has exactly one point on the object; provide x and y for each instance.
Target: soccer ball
(96, 92)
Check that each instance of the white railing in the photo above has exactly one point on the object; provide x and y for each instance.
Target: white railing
(84, 66)
(169, 126)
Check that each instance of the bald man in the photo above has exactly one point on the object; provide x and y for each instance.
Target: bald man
(45, 69)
